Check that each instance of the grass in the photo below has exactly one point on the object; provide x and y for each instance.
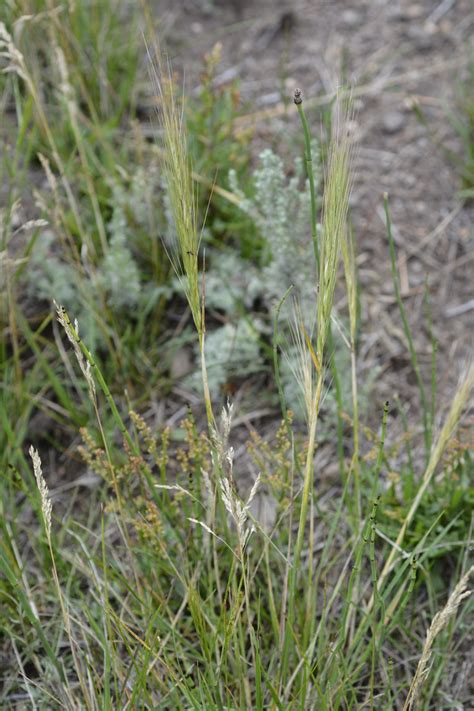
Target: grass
(154, 580)
(100, 221)
(462, 121)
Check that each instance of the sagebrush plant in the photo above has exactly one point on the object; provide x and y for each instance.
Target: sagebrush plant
(280, 211)
(165, 587)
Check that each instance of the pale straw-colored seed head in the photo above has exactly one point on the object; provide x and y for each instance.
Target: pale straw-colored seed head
(46, 505)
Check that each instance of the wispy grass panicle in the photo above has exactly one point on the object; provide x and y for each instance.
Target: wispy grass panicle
(302, 360)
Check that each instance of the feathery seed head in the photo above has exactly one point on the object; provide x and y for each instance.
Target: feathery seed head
(335, 208)
(181, 192)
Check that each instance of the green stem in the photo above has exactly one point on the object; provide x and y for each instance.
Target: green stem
(407, 330)
(205, 384)
(276, 366)
(305, 500)
(298, 99)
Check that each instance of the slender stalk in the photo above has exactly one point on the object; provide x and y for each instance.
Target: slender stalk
(298, 99)
(308, 486)
(375, 644)
(354, 585)
(205, 383)
(351, 289)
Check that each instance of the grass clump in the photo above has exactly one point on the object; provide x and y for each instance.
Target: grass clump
(86, 219)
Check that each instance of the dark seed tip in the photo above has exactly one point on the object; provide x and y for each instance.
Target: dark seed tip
(298, 97)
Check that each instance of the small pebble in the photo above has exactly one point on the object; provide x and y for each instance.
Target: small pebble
(181, 364)
(405, 14)
(393, 122)
(351, 18)
(422, 40)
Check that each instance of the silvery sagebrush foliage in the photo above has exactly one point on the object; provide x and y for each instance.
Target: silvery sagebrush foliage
(280, 210)
(49, 276)
(117, 276)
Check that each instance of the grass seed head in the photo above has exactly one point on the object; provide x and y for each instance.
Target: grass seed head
(335, 208)
(440, 621)
(181, 192)
(46, 505)
(72, 332)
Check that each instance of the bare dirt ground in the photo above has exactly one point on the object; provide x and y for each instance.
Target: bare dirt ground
(396, 55)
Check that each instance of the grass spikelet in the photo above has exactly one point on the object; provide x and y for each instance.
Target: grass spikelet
(237, 510)
(9, 51)
(440, 620)
(73, 337)
(46, 506)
